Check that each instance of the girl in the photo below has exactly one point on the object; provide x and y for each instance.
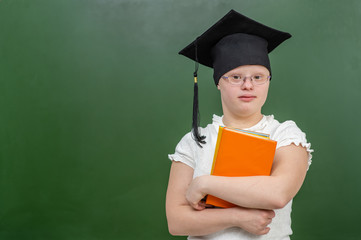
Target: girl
(237, 48)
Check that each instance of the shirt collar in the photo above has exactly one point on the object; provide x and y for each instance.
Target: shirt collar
(258, 127)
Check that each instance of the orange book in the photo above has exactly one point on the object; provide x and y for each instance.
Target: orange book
(241, 153)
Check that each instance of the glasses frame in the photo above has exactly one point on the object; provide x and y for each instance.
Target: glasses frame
(243, 80)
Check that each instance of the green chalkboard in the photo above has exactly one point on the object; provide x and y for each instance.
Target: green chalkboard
(93, 96)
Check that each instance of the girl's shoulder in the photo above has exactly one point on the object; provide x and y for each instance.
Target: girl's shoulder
(287, 133)
(275, 127)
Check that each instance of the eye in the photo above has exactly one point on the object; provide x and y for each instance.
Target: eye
(236, 77)
(257, 77)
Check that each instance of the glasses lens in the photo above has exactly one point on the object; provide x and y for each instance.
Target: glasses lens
(259, 79)
(236, 79)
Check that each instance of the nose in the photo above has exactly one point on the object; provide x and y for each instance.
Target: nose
(247, 83)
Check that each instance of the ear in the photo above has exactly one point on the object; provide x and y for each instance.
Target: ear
(218, 87)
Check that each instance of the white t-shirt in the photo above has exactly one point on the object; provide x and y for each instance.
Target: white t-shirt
(200, 159)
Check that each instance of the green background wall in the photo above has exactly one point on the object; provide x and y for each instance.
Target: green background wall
(93, 96)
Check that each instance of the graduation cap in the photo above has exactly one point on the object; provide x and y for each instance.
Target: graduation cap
(233, 41)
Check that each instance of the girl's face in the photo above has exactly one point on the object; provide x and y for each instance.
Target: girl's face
(246, 99)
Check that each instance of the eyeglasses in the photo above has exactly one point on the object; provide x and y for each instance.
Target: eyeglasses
(256, 79)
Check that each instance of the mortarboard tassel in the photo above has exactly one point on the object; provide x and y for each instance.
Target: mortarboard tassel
(195, 122)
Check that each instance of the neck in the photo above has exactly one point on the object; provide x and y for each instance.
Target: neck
(241, 122)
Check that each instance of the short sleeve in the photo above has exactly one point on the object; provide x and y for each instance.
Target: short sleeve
(184, 151)
(288, 133)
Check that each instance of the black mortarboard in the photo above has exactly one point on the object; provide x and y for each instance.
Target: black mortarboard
(233, 41)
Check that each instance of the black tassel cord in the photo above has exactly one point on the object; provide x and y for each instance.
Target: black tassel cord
(196, 119)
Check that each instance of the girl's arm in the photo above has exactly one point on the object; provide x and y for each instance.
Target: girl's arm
(185, 220)
(265, 192)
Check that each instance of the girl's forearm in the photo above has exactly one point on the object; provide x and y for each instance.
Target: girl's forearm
(186, 221)
(265, 192)
(199, 223)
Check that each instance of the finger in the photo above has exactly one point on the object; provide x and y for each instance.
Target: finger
(265, 231)
(269, 222)
(198, 207)
(265, 224)
(204, 204)
(269, 214)
(272, 214)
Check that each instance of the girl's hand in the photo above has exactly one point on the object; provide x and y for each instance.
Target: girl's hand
(254, 221)
(195, 193)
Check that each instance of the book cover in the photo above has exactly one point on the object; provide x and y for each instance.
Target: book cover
(241, 153)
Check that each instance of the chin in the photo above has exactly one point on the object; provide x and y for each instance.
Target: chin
(244, 113)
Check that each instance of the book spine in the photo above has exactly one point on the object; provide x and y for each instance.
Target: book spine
(220, 131)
